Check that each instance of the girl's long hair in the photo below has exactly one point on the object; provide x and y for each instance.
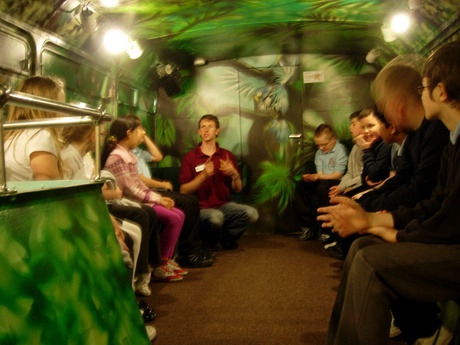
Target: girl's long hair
(117, 132)
(46, 87)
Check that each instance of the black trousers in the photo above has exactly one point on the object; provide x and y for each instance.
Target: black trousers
(309, 196)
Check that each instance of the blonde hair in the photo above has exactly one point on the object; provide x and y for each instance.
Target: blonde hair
(46, 87)
(395, 79)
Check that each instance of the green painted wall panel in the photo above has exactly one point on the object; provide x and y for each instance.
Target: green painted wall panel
(63, 280)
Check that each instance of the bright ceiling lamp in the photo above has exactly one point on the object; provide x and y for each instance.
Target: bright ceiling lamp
(400, 22)
(133, 49)
(116, 41)
(109, 3)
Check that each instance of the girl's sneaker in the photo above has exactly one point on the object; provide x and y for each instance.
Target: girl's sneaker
(174, 266)
(164, 273)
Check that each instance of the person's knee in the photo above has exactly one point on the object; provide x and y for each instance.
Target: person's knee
(215, 219)
(252, 214)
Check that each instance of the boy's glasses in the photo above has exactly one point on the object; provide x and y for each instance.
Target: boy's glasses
(322, 146)
(420, 88)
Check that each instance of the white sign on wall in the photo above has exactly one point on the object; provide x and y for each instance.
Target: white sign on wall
(313, 77)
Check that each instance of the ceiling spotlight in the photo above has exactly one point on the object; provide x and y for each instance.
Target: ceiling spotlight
(133, 49)
(88, 20)
(116, 41)
(109, 3)
(199, 61)
(388, 34)
(372, 55)
(166, 69)
(400, 23)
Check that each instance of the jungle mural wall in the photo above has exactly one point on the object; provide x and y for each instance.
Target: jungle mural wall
(261, 102)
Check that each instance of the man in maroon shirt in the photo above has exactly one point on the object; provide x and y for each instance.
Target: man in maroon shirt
(209, 172)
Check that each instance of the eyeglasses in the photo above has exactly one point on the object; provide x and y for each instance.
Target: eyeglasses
(420, 88)
(322, 146)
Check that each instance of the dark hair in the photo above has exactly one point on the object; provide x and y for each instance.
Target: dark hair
(117, 132)
(366, 112)
(354, 115)
(443, 66)
(209, 117)
(379, 115)
(324, 128)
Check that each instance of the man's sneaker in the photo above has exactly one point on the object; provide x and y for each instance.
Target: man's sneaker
(164, 273)
(335, 250)
(324, 238)
(197, 259)
(329, 245)
(207, 253)
(308, 233)
(174, 266)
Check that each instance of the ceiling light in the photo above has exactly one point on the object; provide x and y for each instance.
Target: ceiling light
(133, 49)
(109, 3)
(400, 23)
(388, 34)
(88, 20)
(166, 69)
(199, 61)
(116, 41)
(372, 55)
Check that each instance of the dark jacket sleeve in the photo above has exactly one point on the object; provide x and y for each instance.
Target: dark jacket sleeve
(435, 220)
(416, 174)
(376, 162)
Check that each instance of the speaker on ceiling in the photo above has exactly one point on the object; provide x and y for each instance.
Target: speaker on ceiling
(171, 85)
(169, 77)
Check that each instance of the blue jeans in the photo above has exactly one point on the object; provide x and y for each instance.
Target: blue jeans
(227, 223)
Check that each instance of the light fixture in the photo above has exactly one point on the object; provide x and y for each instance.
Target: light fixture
(388, 34)
(199, 61)
(109, 3)
(116, 41)
(372, 55)
(133, 49)
(88, 20)
(166, 69)
(400, 22)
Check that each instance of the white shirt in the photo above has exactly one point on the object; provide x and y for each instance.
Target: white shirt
(75, 168)
(19, 149)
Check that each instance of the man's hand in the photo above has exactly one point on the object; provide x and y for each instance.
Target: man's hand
(227, 168)
(209, 167)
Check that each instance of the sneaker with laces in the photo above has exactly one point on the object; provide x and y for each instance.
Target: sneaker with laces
(164, 273)
(196, 260)
(174, 266)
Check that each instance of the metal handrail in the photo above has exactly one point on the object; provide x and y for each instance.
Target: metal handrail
(79, 116)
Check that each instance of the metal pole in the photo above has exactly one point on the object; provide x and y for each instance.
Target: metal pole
(79, 116)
